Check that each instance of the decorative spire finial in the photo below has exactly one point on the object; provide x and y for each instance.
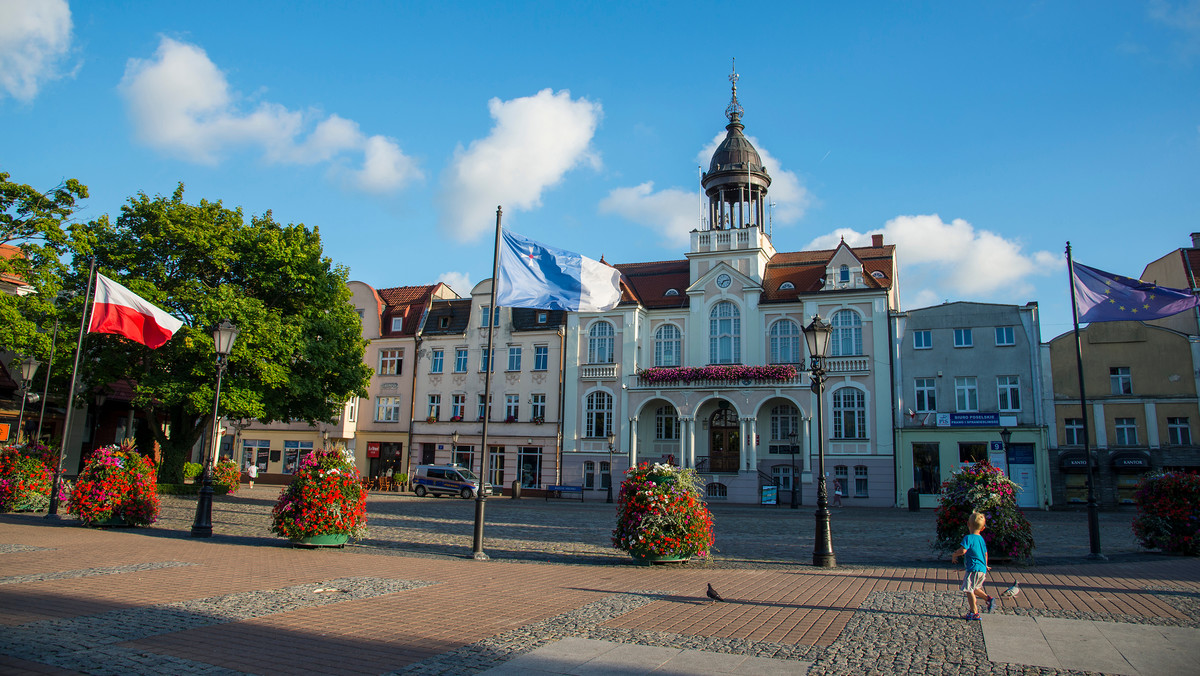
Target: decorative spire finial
(734, 110)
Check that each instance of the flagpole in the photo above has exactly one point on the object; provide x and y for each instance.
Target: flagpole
(1092, 507)
(52, 510)
(481, 494)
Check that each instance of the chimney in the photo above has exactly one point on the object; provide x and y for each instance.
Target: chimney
(877, 240)
(1196, 240)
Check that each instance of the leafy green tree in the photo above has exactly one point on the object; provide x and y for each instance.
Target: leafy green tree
(299, 355)
(36, 231)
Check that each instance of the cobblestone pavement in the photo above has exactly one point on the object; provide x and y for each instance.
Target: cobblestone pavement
(409, 599)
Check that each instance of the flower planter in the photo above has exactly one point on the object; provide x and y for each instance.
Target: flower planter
(326, 540)
(652, 559)
(113, 521)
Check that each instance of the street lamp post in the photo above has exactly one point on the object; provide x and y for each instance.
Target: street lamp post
(795, 495)
(28, 366)
(612, 439)
(1005, 437)
(223, 337)
(817, 335)
(454, 447)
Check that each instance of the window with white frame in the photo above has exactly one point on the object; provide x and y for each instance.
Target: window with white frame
(541, 357)
(963, 338)
(666, 423)
(538, 406)
(785, 421)
(589, 474)
(1005, 336)
(926, 391)
(842, 475)
(598, 415)
(484, 361)
(485, 313)
(1126, 429)
(458, 405)
(923, 340)
(387, 409)
(512, 406)
(438, 356)
(1073, 432)
(391, 362)
(543, 317)
(782, 474)
(966, 394)
(667, 344)
(435, 406)
(844, 274)
(514, 357)
(352, 410)
(860, 481)
(1008, 392)
(1121, 380)
(605, 475)
(397, 324)
(460, 360)
(600, 343)
(785, 342)
(849, 414)
(1178, 432)
(483, 401)
(846, 338)
(725, 334)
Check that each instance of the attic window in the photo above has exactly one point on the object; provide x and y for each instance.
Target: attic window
(786, 286)
(671, 292)
(877, 274)
(397, 323)
(443, 322)
(844, 275)
(541, 317)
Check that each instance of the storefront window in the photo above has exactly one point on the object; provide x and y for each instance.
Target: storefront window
(927, 470)
(530, 463)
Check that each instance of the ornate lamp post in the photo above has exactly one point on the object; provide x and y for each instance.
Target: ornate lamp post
(612, 439)
(1005, 437)
(454, 447)
(795, 478)
(28, 367)
(817, 335)
(223, 337)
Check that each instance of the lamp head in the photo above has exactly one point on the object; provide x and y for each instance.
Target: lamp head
(454, 437)
(612, 439)
(223, 336)
(817, 335)
(1005, 436)
(29, 366)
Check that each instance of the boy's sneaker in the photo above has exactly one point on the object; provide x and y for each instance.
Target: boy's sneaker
(991, 603)
(971, 616)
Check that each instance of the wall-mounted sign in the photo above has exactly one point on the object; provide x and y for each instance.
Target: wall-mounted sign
(968, 420)
(372, 449)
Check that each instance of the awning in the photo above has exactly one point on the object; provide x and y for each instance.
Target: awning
(1073, 461)
(1130, 461)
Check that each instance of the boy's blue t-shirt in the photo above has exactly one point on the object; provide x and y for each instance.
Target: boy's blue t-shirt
(976, 556)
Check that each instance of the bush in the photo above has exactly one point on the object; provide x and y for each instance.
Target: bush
(191, 470)
(325, 497)
(983, 488)
(1168, 512)
(661, 511)
(25, 480)
(228, 475)
(117, 482)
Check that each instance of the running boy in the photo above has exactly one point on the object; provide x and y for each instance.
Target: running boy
(976, 563)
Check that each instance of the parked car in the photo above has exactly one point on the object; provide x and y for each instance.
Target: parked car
(448, 480)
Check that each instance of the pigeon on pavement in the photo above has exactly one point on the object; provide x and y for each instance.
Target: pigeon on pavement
(1012, 591)
(712, 593)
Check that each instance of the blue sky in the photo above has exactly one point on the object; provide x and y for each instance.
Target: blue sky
(978, 137)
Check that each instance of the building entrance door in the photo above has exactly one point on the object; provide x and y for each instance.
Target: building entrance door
(723, 441)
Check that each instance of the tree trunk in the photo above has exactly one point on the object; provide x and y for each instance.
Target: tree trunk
(177, 448)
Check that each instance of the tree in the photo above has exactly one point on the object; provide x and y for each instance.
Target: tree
(34, 243)
(299, 355)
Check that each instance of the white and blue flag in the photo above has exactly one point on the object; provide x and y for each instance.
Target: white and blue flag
(534, 275)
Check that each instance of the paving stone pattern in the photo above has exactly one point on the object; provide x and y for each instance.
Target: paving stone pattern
(88, 572)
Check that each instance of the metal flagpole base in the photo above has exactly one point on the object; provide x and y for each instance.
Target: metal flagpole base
(202, 526)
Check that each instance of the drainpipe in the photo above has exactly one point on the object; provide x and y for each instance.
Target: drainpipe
(892, 348)
(406, 456)
(562, 381)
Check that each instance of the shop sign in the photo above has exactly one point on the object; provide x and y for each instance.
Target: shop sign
(1135, 461)
(372, 449)
(968, 420)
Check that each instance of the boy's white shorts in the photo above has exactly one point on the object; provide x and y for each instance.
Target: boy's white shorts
(973, 580)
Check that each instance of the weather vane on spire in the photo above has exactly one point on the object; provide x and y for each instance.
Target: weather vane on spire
(734, 110)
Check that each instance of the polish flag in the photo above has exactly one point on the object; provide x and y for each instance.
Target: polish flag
(121, 311)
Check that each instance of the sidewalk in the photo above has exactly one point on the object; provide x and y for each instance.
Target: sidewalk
(153, 600)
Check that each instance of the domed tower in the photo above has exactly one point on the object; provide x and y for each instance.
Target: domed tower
(736, 181)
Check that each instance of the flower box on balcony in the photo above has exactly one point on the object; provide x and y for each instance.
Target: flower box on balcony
(457, 418)
(734, 372)
(431, 419)
(511, 419)
(538, 420)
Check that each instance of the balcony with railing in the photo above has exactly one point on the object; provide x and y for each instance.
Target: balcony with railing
(598, 371)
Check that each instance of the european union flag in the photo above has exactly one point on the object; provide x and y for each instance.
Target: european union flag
(1105, 297)
(534, 275)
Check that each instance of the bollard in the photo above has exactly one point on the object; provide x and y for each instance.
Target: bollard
(516, 490)
(914, 499)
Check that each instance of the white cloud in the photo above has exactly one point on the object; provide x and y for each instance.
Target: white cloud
(534, 142)
(181, 104)
(790, 197)
(940, 260)
(35, 36)
(459, 282)
(672, 212)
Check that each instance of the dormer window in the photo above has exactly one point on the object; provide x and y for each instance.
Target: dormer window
(443, 322)
(671, 292)
(397, 323)
(844, 274)
(786, 286)
(878, 275)
(541, 317)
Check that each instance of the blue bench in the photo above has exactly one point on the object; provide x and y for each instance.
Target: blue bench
(557, 492)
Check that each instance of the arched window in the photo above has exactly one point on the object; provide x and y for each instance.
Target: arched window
(844, 274)
(600, 343)
(847, 334)
(785, 342)
(725, 334)
(786, 286)
(598, 413)
(849, 414)
(666, 423)
(667, 344)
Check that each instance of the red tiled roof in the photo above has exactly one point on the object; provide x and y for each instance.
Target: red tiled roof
(8, 251)
(408, 302)
(1191, 265)
(647, 283)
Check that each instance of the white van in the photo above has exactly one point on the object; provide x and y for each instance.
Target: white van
(447, 480)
